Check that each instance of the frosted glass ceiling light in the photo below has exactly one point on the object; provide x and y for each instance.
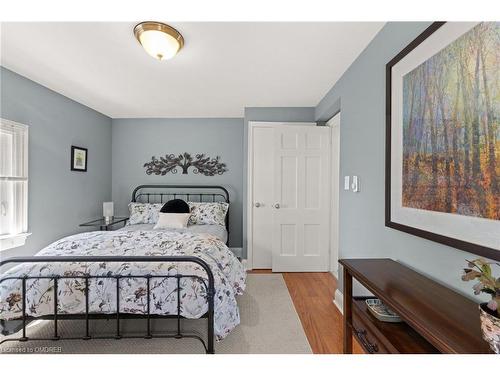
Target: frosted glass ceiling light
(158, 39)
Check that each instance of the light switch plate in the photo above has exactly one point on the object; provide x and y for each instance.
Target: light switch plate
(347, 185)
(355, 184)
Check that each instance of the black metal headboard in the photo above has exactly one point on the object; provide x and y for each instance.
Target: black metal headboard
(190, 193)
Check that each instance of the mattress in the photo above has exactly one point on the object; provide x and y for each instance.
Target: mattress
(229, 277)
(216, 230)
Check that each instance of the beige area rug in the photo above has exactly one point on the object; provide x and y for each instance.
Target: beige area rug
(269, 325)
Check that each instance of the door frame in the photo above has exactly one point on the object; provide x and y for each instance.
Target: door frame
(334, 123)
(249, 203)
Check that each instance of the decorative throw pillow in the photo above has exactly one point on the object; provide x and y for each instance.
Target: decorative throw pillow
(172, 220)
(176, 206)
(203, 213)
(144, 213)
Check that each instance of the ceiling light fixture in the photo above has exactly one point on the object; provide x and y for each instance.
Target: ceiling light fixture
(159, 39)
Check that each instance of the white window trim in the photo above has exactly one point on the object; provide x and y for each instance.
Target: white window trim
(9, 241)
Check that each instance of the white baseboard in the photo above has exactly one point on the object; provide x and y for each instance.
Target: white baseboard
(339, 301)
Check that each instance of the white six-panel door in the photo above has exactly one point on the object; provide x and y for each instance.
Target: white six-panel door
(290, 212)
(301, 219)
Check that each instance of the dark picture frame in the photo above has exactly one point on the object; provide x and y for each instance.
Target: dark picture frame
(79, 164)
(475, 248)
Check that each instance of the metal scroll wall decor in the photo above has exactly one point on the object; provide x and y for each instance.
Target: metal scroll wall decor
(200, 163)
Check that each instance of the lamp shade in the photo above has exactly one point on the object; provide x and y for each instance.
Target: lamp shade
(108, 209)
(159, 40)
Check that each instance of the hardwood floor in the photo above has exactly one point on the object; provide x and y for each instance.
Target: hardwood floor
(312, 295)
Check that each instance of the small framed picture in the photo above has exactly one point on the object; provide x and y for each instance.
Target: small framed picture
(78, 159)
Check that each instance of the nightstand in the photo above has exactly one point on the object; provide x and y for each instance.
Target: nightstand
(104, 224)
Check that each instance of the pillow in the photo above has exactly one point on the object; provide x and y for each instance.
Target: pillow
(168, 220)
(176, 206)
(203, 213)
(143, 213)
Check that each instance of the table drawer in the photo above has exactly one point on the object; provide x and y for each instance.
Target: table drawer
(368, 340)
(365, 333)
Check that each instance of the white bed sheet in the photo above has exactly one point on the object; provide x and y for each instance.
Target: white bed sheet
(216, 230)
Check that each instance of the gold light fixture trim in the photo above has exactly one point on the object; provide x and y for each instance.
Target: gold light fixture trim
(158, 39)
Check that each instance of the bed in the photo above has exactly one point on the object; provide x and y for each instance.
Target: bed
(135, 272)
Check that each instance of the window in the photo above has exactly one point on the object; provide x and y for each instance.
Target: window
(13, 184)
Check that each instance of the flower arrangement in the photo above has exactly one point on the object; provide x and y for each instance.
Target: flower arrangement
(480, 270)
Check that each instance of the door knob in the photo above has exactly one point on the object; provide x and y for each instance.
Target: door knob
(257, 204)
(277, 206)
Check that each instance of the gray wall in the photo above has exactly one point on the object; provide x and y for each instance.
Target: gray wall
(278, 114)
(360, 96)
(135, 141)
(59, 199)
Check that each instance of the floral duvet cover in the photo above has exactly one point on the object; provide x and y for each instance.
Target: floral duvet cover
(228, 272)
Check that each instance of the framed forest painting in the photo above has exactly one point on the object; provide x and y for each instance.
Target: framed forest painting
(443, 137)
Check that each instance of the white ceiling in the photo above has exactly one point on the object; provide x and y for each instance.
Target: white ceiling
(222, 68)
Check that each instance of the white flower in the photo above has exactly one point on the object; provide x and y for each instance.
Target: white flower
(492, 305)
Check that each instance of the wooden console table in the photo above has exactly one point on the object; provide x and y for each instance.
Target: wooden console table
(435, 319)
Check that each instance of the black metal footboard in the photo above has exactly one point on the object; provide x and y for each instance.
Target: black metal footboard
(25, 319)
